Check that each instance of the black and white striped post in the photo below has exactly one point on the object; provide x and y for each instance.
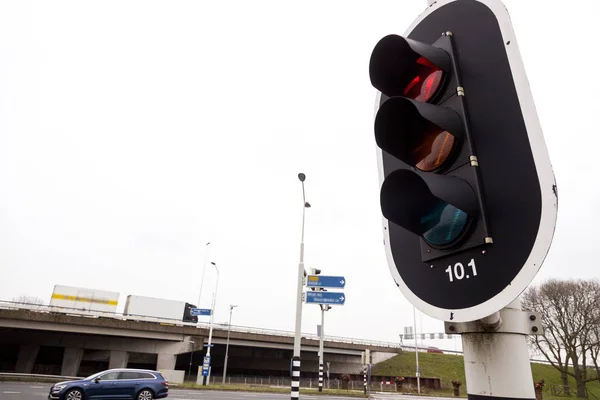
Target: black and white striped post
(295, 378)
(365, 378)
(320, 377)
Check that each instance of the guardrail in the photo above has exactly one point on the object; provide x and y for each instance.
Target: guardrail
(145, 318)
(18, 375)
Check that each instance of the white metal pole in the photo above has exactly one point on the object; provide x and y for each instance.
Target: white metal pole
(212, 315)
(202, 279)
(231, 307)
(418, 372)
(321, 340)
(497, 363)
(295, 379)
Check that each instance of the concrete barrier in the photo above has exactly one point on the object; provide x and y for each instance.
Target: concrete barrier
(173, 375)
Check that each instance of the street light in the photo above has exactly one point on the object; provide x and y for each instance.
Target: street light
(191, 342)
(231, 307)
(202, 279)
(212, 315)
(295, 381)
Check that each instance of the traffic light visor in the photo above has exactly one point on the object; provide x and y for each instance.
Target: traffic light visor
(406, 129)
(405, 67)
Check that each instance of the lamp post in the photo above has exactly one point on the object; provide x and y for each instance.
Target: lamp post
(324, 307)
(295, 381)
(203, 272)
(210, 331)
(231, 307)
(417, 352)
(191, 342)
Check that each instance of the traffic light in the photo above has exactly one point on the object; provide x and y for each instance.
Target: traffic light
(467, 190)
(187, 313)
(315, 271)
(433, 190)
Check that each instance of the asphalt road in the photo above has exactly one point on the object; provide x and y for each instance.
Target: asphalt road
(39, 391)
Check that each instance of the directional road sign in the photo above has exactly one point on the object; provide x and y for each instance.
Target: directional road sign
(335, 298)
(194, 312)
(326, 281)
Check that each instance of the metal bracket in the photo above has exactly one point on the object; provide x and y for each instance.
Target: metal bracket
(511, 321)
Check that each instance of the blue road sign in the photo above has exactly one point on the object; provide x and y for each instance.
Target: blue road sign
(326, 281)
(195, 312)
(205, 365)
(325, 298)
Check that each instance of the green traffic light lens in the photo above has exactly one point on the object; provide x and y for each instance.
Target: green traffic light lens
(444, 224)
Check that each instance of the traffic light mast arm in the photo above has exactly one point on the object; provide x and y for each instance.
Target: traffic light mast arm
(473, 160)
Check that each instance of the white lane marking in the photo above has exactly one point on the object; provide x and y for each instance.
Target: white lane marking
(8, 392)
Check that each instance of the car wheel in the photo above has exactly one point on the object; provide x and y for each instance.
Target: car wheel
(74, 394)
(145, 395)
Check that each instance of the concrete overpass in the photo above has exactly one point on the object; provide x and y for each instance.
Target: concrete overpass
(90, 341)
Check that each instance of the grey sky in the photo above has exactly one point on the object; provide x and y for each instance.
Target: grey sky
(131, 133)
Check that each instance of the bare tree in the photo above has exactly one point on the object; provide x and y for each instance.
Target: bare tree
(570, 317)
(28, 300)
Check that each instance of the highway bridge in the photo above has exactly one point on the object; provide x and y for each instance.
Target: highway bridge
(72, 342)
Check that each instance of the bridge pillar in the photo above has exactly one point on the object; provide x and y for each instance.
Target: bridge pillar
(118, 359)
(165, 361)
(71, 360)
(26, 359)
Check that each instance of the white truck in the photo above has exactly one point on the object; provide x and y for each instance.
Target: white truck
(84, 299)
(159, 308)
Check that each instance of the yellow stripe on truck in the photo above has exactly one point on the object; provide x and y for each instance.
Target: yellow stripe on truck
(84, 299)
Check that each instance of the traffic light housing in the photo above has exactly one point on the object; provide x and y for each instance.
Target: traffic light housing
(467, 190)
(422, 122)
(187, 313)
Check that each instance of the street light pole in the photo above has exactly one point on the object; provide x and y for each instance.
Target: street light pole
(417, 352)
(324, 307)
(210, 331)
(231, 307)
(295, 381)
(203, 272)
(191, 356)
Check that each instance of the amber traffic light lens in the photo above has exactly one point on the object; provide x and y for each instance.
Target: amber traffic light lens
(433, 150)
(427, 82)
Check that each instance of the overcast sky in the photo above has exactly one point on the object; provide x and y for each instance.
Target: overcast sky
(133, 132)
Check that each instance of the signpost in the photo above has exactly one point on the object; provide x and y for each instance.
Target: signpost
(195, 312)
(334, 298)
(326, 281)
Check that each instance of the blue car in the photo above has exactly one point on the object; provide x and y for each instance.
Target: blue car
(124, 383)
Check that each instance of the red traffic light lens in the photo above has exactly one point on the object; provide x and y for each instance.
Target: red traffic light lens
(427, 82)
(433, 150)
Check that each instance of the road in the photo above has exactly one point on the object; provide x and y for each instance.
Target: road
(39, 391)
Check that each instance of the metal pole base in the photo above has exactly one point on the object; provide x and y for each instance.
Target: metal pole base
(495, 354)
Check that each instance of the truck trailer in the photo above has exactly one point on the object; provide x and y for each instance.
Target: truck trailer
(159, 308)
(84, 299)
